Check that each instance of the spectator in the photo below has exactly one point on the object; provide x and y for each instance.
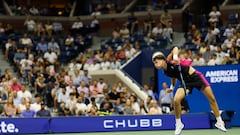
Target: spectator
(10, 110)
(132, 23)
(25, 41)
(8, 48)
(106, 108)
(227, 44)
(157, 30)
(28, 113)
(129, 50)
(69, 41)
(148, 91)
(105, 64)
(55, 93)
(198, 60)
(81, 107)
(95, 90)
(15, 85)
(165, 99)
(49, 28)
(43, 112)
(135, 104)
(42, 46)
(40, 29)
(85, 77)
(36, 105)
(71, 103)
(22, 106)
(24, 93)
(124, 31)
(114, 95)
(116, 33)
(128, 110)
(93, 104)
(229, 30)
(155, 109)
(30, 24)
(83, 88)
(101, 83)
(168, 32)
(57, 27)
(94, 25)
(115, 64)
(212, 60)
(165, 18)
(120, 54)
(34, 11)
(51, 58)
(214, 15)
(77, 26)
(54, 46)
(149, 22)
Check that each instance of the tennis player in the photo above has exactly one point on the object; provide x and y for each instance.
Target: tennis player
(191, 78)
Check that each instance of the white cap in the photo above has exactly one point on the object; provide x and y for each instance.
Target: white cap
(157, 54)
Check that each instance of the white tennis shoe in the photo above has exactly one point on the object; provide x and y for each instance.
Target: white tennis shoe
(221, 126)
(179, 128)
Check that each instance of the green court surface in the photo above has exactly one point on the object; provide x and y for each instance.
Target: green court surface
(232, 131)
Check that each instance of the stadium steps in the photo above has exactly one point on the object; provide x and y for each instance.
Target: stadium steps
(4, 64)
(178, 40)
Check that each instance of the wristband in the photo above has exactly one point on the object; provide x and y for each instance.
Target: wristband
(175, 57)
(171, 87)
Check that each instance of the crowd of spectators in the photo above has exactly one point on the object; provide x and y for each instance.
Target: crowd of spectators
(214, 43)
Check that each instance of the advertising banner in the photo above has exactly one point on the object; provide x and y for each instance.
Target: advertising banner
(126, 123)
(24, 125)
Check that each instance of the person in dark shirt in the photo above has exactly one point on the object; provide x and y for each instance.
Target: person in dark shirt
(176, 68)
(43, 112)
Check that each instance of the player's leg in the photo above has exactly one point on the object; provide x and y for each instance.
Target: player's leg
(179, 95)
(207, 91)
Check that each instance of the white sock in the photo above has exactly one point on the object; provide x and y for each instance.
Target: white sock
(178, 121)
(219, 119)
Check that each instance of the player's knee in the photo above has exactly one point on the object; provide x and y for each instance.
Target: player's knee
(177, 100)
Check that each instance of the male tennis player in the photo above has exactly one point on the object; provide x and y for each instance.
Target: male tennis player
(189, 78)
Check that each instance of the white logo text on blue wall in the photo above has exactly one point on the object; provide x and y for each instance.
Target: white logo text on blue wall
(222, 76)
(8, 128)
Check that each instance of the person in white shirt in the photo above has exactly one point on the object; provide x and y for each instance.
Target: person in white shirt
(214, 15)
(227, 44)
(70, 87)
(219, 55)
(101, 83)
(229, 30)
(25, 40)
(158, 30)
(36, 106)
(198, 60)
(94, 66)
(81, 107)
(51, 57)
(105, 65)
(124, 31)
(23, 93)
(78, 24)
(71, 102)
(115, 64)
(30, 24)
(62, 98)
(212, 60)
